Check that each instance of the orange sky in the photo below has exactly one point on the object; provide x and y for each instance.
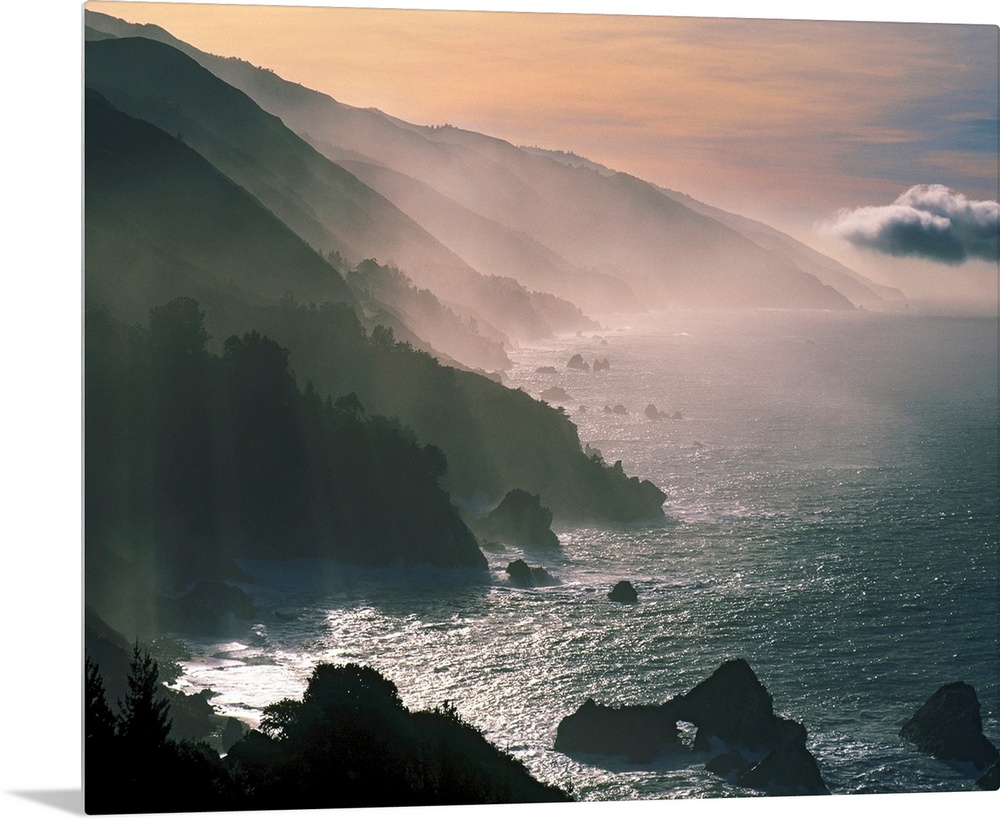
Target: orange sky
(784, 121)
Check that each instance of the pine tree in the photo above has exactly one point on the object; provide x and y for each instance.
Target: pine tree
(143, 723)
(99, 722)
(100, 749)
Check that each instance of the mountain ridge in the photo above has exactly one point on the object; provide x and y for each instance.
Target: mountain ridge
(147, 226)
(860, 289)
(608, 224)
(150, 204)
(323, 202)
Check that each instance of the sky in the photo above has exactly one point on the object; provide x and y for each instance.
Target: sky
(806, 125)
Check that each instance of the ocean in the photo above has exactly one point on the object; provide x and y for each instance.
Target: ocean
(833, 517)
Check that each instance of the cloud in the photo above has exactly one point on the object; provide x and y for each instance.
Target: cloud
(929, 221)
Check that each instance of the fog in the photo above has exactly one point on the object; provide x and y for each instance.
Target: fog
(499, 245)
(927, 285)
(594, 238)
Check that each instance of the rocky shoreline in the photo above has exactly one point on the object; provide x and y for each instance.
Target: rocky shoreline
(737, 735)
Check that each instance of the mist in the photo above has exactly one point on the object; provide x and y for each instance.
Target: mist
(595, 238)
(930, 286)
(518, 244)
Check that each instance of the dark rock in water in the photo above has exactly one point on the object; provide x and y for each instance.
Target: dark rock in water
(730, 764)
(583, 408)
(601, 364)
(576, 362)
(619, 409)
(490, 546)
(212, 607)
(520, 573)
(540, 577)
(639, 733)
(607, 408)
(524, 576)
(653, 414)
(788, 769)
(990, 782)
(546, 370)
(761, 750)
(520, 519)
(191, 716)
(731, 705)
(677, 415)
(624, 593)
(949, 726)
(556, 394)
(232, 733)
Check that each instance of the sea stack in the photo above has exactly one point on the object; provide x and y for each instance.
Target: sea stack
(733, 712)
(624, 593)
(949, 726)
(519, 519)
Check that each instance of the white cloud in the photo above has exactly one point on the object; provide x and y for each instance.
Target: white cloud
(928, 221)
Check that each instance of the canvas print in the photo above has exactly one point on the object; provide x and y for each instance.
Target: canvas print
(488, 407)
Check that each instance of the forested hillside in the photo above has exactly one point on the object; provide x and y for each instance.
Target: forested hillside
(194, 460)
(495, 438)
(161, 223)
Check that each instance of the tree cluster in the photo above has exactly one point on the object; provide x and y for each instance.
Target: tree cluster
(349, 742)
(130, 763)
(494, 438)
(195, 459)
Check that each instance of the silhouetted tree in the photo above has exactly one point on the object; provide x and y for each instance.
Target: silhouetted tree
(100, 746)
(350, 406)
(350, 741)
(383, 338)
(177, 329)
(258, 362)
(437, 462)
(336, 259)
(143, 723)
(278, 717)
(131, 767)
(351, 687)
(99, 722)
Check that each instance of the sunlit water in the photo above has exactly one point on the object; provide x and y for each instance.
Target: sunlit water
(832, 518)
